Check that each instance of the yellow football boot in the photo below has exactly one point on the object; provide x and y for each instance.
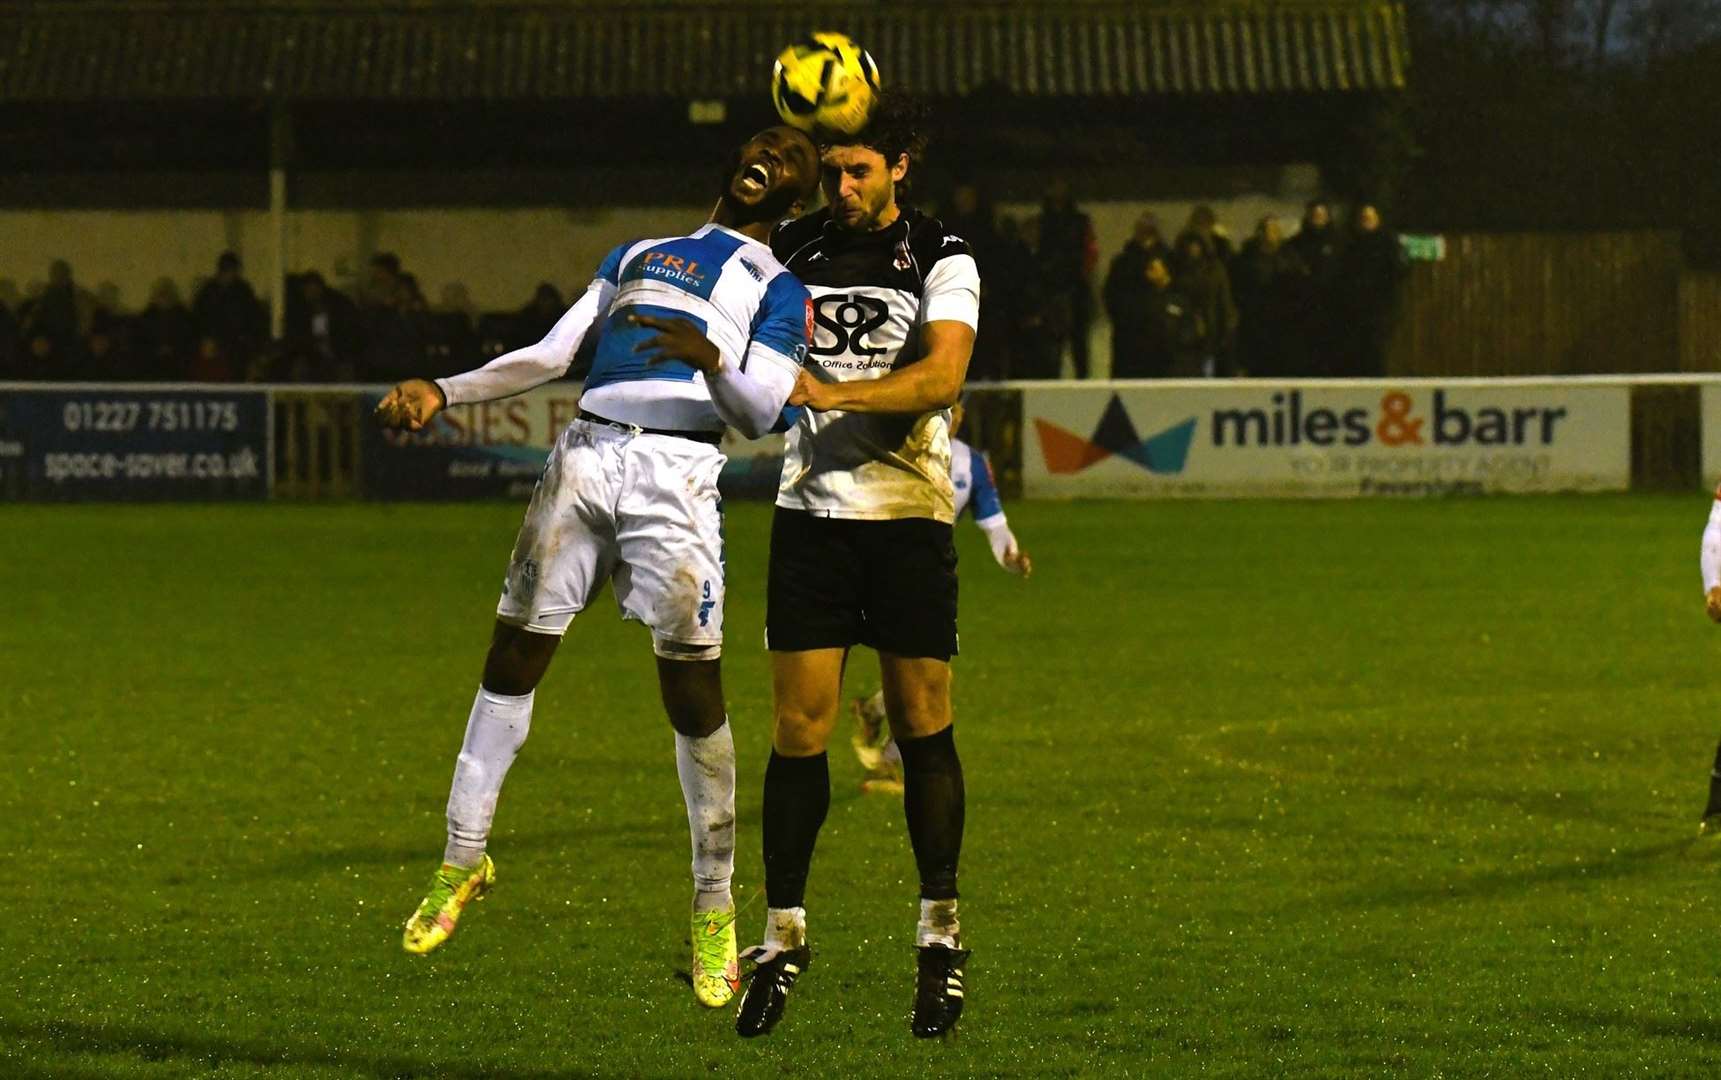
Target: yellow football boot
(452, 889)
(716, 968)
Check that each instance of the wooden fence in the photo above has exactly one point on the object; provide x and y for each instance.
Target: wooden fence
(1557, 304)
(1700, 322)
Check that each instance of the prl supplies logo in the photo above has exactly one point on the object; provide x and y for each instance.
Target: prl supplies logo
(1164, 452)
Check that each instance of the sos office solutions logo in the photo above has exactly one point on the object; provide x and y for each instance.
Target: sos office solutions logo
(1286, 420)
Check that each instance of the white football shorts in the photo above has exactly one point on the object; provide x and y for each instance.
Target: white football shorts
(639, 510)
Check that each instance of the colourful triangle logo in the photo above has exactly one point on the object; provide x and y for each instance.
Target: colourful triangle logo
(1163, 453)
(1066, 452)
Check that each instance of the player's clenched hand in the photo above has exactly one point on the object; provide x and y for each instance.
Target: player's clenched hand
(1712, 603)
(1017, 562)
(678, 339)
(410, 405)
(810, 392)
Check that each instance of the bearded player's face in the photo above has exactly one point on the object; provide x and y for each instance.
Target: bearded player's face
(859, 185)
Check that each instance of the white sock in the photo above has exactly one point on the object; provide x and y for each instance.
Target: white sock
(494, 734)
(938, 925)
(785, 928)
(707, 770)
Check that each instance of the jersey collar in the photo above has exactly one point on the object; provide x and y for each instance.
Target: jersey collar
(712, 226)
(904, 224)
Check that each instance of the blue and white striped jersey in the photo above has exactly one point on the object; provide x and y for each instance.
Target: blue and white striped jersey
(730, 286)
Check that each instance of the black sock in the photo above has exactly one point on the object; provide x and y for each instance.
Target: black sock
(797, 795)
(1714, 786)
(935, 802)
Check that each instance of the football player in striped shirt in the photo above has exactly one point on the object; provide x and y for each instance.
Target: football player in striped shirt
(694, 333)
(861, 550)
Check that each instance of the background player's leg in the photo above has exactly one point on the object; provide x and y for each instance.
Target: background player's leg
(705, 761)
(806, 688)
(917, 700)
(875, 747)
(496, 729)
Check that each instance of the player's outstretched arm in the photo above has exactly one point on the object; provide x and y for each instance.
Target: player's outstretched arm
(410, 405)
(518, 371)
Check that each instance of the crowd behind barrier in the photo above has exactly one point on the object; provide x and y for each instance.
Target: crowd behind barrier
(1190, 304)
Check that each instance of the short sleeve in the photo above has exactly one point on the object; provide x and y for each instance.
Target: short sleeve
(952, 291)
(783, 324)
(610, 269)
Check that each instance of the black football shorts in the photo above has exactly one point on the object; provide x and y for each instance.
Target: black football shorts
(836, 582)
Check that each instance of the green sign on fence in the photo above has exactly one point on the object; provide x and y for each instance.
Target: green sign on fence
(1422, 248)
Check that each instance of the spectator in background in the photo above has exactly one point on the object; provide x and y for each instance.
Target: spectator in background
(164, 337)
(1067, 254)
(452, 346)
(1370, 269)
(415, 309)
(108, 350)
(1268, 281)
(1203, 220)
(1317, 242)
(457, 300)
(56, 323)
(393, 331)
(1041, 324)
(1202, 278)
(228, 313)
(323, 334)
(534, 321)
(1155, 328)
(210, 363)
(384, 281)
(1013, 288)
(11, 342)
(971, 217)
(1317, 245)
(1126, 285)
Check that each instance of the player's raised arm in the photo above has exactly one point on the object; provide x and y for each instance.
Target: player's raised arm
(1710, 560)
(414, 402)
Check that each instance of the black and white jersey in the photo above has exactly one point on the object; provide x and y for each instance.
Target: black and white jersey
(871, 294)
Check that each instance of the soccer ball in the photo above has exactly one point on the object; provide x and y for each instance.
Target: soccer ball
(825, 82)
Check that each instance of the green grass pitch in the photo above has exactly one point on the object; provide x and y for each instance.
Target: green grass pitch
(1254, 789)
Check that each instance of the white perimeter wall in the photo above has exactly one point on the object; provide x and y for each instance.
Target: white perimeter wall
(484, 260)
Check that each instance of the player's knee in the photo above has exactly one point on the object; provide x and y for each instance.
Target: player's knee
(692, 691)
(800, 731)
(917, 723)
(517, 660)
(918, 711)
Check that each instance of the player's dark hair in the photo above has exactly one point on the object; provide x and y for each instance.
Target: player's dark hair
(898, 126)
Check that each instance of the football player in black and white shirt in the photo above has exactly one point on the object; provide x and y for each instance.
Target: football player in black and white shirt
(861, 550)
